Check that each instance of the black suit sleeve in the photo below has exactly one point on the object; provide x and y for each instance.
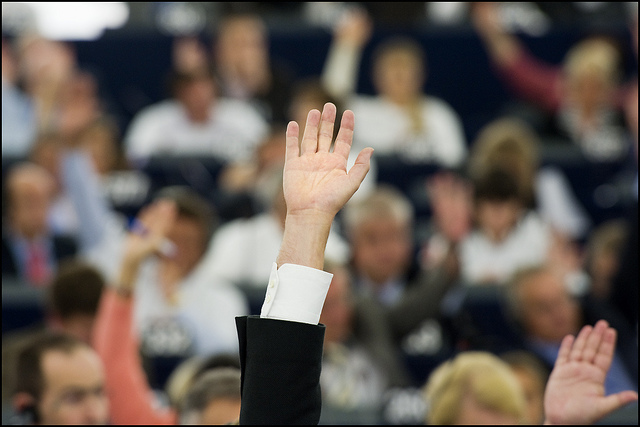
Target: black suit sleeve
(281, 363)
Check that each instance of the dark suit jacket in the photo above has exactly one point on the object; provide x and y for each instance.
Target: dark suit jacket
(63, 247)
(281, 363)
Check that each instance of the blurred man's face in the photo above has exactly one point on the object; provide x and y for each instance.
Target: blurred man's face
(242, 49)
(197, 97)
(73, 388)
(190, 243)
(381, 249)
(549, 313)
(31, 199)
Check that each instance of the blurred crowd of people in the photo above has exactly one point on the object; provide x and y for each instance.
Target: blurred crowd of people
(149, 337)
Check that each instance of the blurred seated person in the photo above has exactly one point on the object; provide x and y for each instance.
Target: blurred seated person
(544, 312)
(506, 235)
(195, 120)
(514, 145)
(379, 229)
(60, 381)
(71, 305)
(533, 374)
(31, 250)
(474, 388)
(360, 360)
(180, 309)
(399, 119)
(119, 345)
(579, 101)
(384, 273)
(245, 70)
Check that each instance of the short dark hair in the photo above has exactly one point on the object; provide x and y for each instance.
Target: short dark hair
(29, 375)
(496, 185)
(76, 289)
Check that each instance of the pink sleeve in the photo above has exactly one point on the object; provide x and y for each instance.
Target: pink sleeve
(127, 387)
(533, 80)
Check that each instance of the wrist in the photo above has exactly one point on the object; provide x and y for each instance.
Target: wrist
(304, 240)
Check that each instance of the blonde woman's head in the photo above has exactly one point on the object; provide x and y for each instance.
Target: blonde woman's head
(475, 387)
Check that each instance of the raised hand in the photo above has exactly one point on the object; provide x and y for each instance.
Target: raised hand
(317, 184)
(316, 180)
(575, 390)
(146, 237)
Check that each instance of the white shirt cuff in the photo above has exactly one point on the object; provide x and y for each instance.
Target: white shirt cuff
(296, 293)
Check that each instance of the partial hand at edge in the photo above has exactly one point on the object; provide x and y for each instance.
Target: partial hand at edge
(575, 390)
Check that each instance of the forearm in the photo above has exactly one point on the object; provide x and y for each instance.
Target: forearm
(340, 72)
(82, 183)
(304, 240)
(127, 386)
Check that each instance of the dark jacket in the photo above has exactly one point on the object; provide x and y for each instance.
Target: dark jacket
(281, 363)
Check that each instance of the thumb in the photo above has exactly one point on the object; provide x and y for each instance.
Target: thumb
(615, 401)
(360, 168)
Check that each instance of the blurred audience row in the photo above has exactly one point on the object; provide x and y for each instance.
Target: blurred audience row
(506, 263)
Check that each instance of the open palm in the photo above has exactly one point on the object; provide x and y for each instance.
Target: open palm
(575, 390)
(316, 180)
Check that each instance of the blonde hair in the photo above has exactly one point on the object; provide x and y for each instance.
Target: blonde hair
(595, 54)
(481, 375)
(510, 144)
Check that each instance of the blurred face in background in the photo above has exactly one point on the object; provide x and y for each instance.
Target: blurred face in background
(31, 191)
(548, 311)
(73, 388)
(190, 242)
(381, 248)
(242, 53)
(197, 95)
(399, 76)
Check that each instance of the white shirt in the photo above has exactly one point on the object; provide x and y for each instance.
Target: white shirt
(242, 251)
(233, 131)
(386, 127)
(205, 313)
(295, 293)
(525, 246)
